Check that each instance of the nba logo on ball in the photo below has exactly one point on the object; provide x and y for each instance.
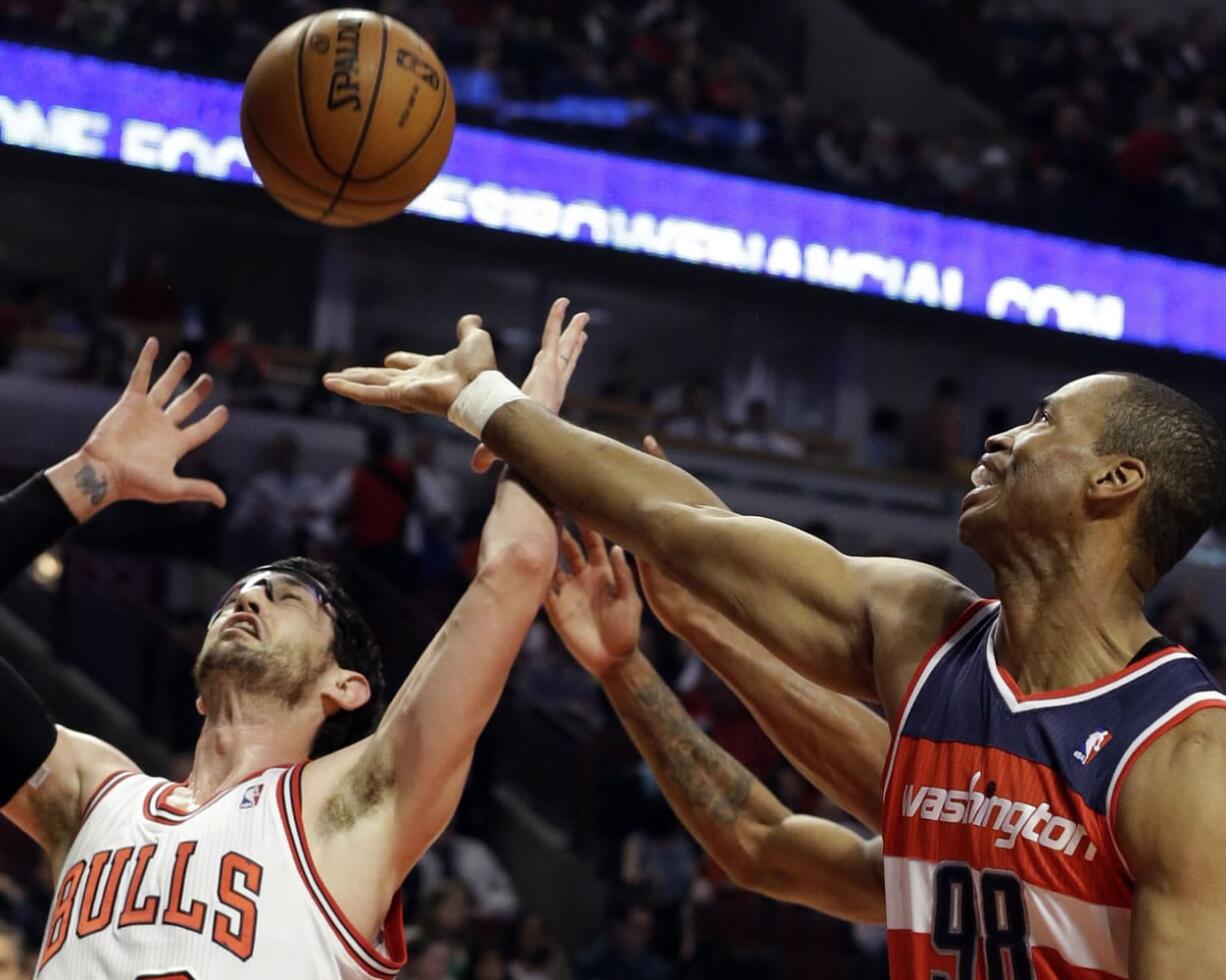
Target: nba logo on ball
(251, 797)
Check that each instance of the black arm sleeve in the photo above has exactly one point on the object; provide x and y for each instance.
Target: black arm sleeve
(27, 734)
(32, 518)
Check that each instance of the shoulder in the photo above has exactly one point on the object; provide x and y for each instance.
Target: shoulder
(913, 606)
(1170, 805)
(50, 807)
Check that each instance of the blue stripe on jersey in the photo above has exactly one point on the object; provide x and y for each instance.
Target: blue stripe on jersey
(960, 702)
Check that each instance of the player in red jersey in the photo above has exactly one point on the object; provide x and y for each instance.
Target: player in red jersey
(1001, 859)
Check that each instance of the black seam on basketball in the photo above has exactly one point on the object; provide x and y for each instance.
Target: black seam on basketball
(370, 114)
(277, 161)
(420, 143)
(302, 106)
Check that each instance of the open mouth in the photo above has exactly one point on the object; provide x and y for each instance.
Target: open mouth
(244, 622)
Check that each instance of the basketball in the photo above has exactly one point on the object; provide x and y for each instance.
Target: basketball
(347, 116)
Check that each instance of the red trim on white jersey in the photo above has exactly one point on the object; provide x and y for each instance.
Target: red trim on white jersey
(1189, 706)
(158, 808)
(363, 952)
(104, 787)
(965, 619)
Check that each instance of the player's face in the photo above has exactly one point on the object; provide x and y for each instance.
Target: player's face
(272, 633)
(1032, 480)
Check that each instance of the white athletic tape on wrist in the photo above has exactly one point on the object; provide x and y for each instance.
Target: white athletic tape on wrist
(480, 399)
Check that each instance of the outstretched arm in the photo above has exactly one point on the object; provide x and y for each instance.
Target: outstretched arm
(400, 787)
(837, 743)
(760, 843)
(131, 455)
(850, 624)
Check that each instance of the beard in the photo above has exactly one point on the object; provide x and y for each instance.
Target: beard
(237, 661)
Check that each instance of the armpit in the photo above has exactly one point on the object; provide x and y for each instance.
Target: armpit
(361, 791)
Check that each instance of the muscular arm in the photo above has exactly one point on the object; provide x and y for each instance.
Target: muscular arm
(401, 786)
(833, 618)
(1171, 831)
(838, 744)
(760, 843)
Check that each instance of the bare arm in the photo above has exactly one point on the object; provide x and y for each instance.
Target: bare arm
(760, 843)
(409, 775)
(1171, 831)
(49, 807)
(837, 743)
(796, 595)
(130, 455)
(395, 792)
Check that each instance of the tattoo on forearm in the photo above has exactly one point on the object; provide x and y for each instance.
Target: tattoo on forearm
(707, 777)
(91, 484)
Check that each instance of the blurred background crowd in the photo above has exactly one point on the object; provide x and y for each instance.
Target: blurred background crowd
(1088, 122)
(847, 416)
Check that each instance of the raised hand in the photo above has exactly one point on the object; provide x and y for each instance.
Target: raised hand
(552, 367)
(134, 449)
(672, 605)
(419, 382)
(594, 606)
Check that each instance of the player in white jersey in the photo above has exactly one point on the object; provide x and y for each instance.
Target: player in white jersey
(264, 864)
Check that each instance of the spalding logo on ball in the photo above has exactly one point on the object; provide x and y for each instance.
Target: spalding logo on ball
(347, 116)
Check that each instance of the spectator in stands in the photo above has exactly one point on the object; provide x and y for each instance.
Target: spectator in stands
(760, 435)
(24, 904)
(444, 921)
(373, 502)
(934, 443)
(148, 303)
(489, 964)
(884, 447)
(624, 953)
(240, 369)
(435, 519)
(470, 862)
(545, 675)
(13, 955)
(277, 509)
(699, 417)
(428, 959)
(534, 954)
(659, 861)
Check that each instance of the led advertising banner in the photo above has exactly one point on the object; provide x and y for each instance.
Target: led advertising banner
(144, 117)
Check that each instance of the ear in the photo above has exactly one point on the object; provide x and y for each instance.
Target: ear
(345, 690)
(1119, 480)
(200, 706)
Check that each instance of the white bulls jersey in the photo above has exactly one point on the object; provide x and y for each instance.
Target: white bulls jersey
(149, 892)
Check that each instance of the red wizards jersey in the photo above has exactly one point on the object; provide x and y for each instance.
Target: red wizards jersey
(1001, 861)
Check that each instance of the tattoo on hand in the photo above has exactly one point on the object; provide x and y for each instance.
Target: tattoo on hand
(92, 485)
(707, 776)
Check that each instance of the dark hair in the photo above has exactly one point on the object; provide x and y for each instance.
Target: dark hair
(354, 647)
(1182, 447)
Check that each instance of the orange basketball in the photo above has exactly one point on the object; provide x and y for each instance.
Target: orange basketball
(347, 116)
